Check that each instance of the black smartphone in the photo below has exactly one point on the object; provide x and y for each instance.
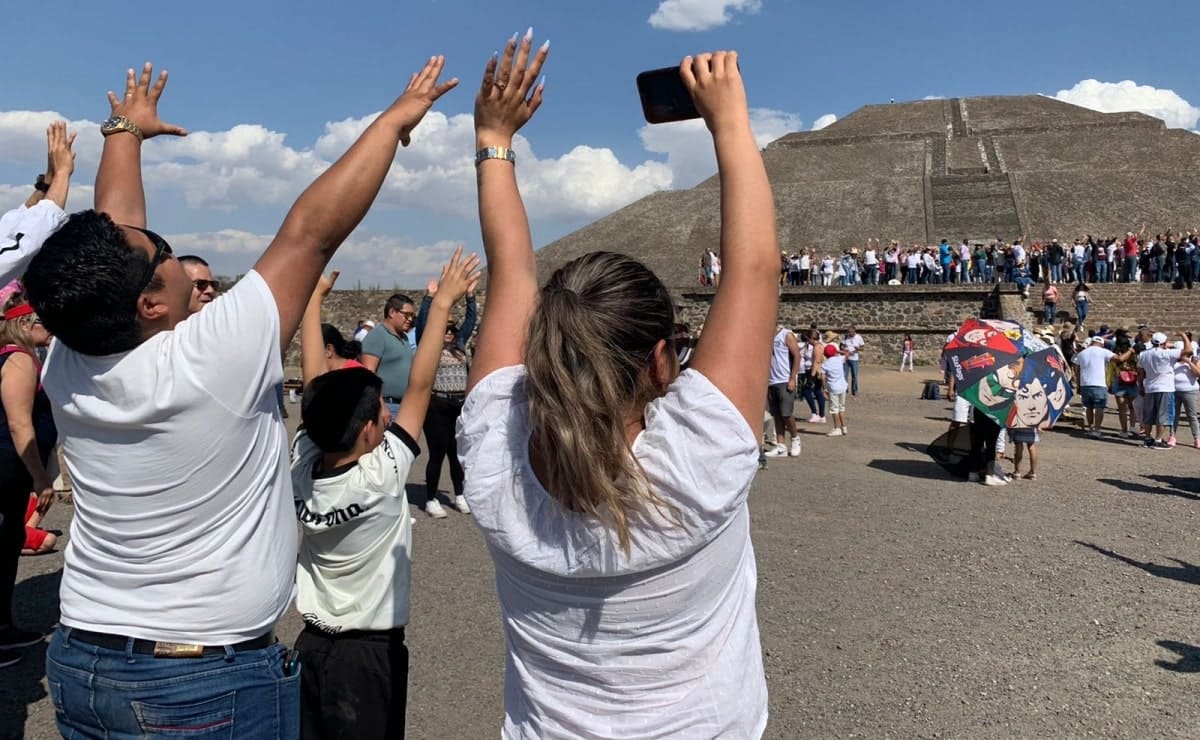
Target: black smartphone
(664, 98)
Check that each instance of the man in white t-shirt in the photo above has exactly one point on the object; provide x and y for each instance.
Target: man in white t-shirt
(183, 547)
(781, 392)
(1156, 382)
(851, 344)
(1092, 382)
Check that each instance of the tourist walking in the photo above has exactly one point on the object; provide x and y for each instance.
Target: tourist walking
(1082, 299)
(625, 496)
(813, 387)
(906, 353)
(781, 393)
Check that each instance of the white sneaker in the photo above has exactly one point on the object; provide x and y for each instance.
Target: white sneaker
(794, 450)
(776, 451)
(837, 432)
(460, 503)
(434, 509)
(993, 480)
(814, 419)
(845, 430)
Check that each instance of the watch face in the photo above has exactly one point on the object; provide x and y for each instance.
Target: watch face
(111, 122)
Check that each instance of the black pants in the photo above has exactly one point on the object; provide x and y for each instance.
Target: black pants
(439, 435)
(984, 433)
(15, 485)
(352, 685)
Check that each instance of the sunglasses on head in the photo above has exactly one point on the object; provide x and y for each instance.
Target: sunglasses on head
(161, 251)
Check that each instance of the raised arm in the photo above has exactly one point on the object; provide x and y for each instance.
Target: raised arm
(60, 163)
(26, 229)
(329, 209)
(312, 342)
(506, 100)
(456, 276)
(470, 318)
(119, 190)
(734, 350)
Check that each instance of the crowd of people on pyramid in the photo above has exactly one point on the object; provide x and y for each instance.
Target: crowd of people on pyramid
(1167, 257)
(625, 573)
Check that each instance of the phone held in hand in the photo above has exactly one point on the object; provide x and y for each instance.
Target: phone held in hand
(664, 98)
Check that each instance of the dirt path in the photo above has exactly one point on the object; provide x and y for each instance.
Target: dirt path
(893, 601)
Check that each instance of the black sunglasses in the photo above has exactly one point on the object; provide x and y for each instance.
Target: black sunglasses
(203, 285)
(161, 251)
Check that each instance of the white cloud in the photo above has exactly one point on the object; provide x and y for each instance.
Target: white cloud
(824, 121)
(1116, 97)
(368, 258)
(689, 149)
(699, 15)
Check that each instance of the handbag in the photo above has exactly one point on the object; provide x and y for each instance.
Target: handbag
(1127, 377)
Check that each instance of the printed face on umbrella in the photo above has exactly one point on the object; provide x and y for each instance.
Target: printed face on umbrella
(1031, 404)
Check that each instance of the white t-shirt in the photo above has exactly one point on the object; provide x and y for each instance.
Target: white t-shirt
(869, 257)
(912, 261)
(805, 262)
(1185, 379)
(662, 642)
(356, 544)
(183, 529)
(1092, 363)
(1159, 366)
(852, 345)
(22, 233)
(835, 373)
(827, 266)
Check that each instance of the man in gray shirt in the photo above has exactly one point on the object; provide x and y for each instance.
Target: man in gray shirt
(386, 351)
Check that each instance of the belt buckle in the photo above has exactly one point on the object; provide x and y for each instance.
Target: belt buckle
(177, 650)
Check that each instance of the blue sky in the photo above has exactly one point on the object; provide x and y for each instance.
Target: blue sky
(273, 91)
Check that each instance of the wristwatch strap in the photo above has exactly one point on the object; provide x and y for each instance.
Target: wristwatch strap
(495, 152)
(41, 185)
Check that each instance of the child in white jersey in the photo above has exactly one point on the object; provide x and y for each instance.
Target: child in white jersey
(349, 464)
(611, 488)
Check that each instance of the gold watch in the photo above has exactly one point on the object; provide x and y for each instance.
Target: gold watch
(120, 123)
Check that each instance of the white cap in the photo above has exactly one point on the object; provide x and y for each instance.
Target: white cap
(1097, 339)
(1158, 338)
(369, 323)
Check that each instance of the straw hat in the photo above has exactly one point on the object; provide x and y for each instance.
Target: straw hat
(829, 337)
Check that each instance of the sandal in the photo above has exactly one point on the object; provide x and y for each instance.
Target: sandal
(1030, 476)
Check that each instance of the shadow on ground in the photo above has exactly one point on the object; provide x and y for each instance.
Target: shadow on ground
(22, 683)
(1188, 660)
(1183, 571)
(924, 469)
(1170, 485)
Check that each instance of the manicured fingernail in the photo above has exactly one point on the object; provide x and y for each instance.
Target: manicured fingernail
(514, 37)
(495, 54)
(529, 33)
(542, 82)
(546, 44)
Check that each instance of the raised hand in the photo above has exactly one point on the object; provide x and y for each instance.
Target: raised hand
(60, 159)
(422, 92)
(325, 284)
(716, 87)
(504, 103)
(457, 276)
(431, 287)
(140, 103)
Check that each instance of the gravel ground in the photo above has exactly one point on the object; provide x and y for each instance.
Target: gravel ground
(893, 600)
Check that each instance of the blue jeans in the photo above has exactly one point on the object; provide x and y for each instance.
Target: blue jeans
(872, 272)
(910, 275)
(1048, 311)
(1081, 308)
(852, 368)
(98, 692)
(947, 268)
(1102, 272)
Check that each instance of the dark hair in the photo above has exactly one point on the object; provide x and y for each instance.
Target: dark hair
(193, 259)
(395, 303)
(337, 405)
(349, 350)
(85, 283)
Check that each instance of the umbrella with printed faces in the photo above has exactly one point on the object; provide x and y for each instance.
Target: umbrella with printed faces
(1028, 393)
(982, 346)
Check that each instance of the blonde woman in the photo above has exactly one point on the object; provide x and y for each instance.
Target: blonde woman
(624, 567)
(27, 437)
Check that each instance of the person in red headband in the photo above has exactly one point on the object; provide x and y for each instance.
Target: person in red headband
(27, 437)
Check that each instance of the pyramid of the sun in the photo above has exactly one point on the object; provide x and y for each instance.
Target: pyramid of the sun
(974, 168)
